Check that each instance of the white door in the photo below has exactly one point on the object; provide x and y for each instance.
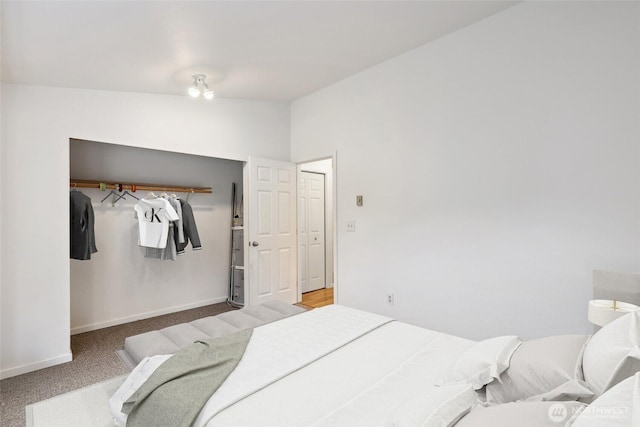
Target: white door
(272, 231)
(311, 231)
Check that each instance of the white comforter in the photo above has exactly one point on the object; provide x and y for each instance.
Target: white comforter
(327, 367)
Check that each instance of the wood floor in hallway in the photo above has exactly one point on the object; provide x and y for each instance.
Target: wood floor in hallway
(318, 298)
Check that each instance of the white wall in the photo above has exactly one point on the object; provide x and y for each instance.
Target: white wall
(500, 166)
(38, 122)
(118, 284)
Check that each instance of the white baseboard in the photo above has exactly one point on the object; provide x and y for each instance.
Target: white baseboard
(13, 372)
(140, 316)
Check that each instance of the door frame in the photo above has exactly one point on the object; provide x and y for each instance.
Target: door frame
(334, 192)
(334, 213)
(321, 176)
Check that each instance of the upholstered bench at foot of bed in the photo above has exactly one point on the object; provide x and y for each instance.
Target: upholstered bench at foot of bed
(171, 339)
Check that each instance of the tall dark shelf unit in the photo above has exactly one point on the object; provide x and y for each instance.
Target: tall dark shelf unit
(236, 274)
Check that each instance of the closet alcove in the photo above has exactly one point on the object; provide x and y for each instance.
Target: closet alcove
(118, 284)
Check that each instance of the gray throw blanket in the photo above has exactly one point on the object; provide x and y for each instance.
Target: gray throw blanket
(176, 392)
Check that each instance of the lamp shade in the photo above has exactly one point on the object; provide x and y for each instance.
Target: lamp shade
(194, 91)
(208, 93)
(603, 311)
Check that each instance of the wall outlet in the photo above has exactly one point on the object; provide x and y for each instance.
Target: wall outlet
(390, 299)
(351, 226)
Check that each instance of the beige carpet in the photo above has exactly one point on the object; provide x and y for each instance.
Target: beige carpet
(94, 360)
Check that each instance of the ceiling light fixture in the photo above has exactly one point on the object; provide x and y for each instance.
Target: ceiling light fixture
(200, 86)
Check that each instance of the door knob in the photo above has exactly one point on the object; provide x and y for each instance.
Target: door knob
(254, 243)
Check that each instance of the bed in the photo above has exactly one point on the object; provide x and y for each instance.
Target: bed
(337, 366)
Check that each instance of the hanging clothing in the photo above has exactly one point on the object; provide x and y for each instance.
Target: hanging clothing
(154, 216)
(179, 229)
(190, 229)
(82, 233)
(175, 235)
(167, 253)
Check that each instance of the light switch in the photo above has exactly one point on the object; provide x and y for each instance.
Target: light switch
(358, 200)
(351, 226)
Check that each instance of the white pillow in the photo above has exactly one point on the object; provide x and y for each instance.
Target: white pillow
(440, 406)
(617, 407)
(613, 353)
(548, 368)
(571, 390)
(136, 378)
(482, 362)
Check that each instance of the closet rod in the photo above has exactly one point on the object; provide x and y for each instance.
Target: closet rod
(110, 185)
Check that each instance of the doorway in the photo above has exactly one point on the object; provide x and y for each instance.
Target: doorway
(315, 213)
(311, 231)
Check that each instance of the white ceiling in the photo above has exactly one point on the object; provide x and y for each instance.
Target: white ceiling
(270, 50)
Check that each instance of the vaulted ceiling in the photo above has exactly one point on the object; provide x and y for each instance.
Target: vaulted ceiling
(269, 50)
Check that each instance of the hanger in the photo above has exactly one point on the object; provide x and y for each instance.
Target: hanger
(151, 195)
(116, 196)
(125, 193)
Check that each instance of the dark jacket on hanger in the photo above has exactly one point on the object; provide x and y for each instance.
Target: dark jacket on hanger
(83, 241)
(190, 229)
